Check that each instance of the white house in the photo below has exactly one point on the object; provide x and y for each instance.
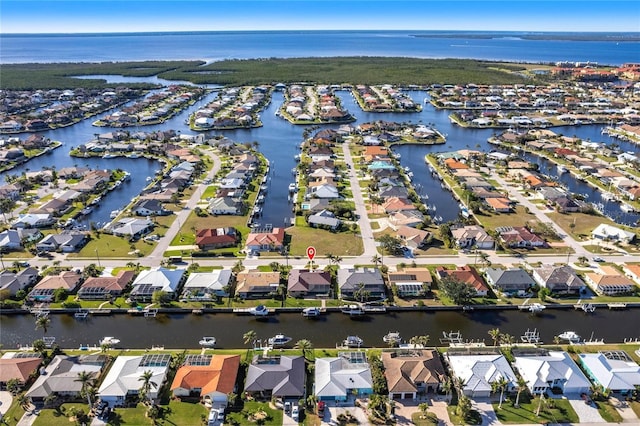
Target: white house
(338, 377)
(608, 232)
(470, 236)
(123, 379)
(553, 369)
(156, 279)
(479, 371)
(206, 285)
(612, 370)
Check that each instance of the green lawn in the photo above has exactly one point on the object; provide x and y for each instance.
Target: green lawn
(182, 413)
(608, 412)
(131, 416)
(519, 217)
(273, 417)
(51, 417)
(584, 223)
(419, 420)
(109, 246)
(552, 411)
(340, 244)
(14, 414)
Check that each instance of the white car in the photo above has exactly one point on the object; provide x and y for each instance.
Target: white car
(295, 413)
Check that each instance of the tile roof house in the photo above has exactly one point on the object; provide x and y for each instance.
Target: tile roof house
(61, 376)
(123, 378)
(337, 378)
(156, 279)
(18, 366)
(470, 236)
(519, 236)
(411, 218)
(411, 372)
(226, 205)
(411, 281)
(559, 279)
(213, 238)
(102, 288)
(632, 272)
(279, 376)
(551, 369)
(513, 280)
(257, 284)
(413, 238)
(396, 204)
(350, 280)
(203, 286)
(266, 241)
(213, 382)
(45, 289)
(609, 282)
(467, 275)
(617, 373)
(479, 371)
(305, 283)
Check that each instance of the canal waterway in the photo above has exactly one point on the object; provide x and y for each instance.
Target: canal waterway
(184, 331)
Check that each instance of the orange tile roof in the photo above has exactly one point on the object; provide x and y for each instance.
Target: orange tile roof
(219, 376)
(18, 368)
(452, 163)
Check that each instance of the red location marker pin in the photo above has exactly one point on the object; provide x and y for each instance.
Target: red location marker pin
(311, 252)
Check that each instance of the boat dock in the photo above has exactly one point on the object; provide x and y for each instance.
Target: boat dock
(617, 305)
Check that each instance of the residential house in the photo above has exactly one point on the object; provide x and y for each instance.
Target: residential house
(395, 204)
(103, 287)
(411, 218)
(412, 372)
(609, 282)
(511, 281)
(256, 284)
(14, 282)
(205, 286)
(215, 238)
(66, 242)
(156, 279)
(132, 228)
(266, 241)
(611, 233)
(212, 382)
(551, 370)
(499, 205)
(478, 372)
(559, 279)
(122, 383)
(413, 238)
(613, 370)
(149, 207)
(467, 275)
(353, 281)
(325, 191)
(226, 205)
(411, 282)
(276, 376)
(10, 240)
(468, 237)
(632, 272)
(45, 289)
(519, 236)
(338, 378)
(60, 377)
(324, 219)
(304, 283)
(33, 220)
(18, 366)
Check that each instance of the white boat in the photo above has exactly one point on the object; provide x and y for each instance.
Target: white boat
(311, 312)
(259, 311)
(535, 308)
(86, 210)
(134, 155)
(607, 196)
(109, 340)
(114, 214)
(627, 208)
(392, 337)
(561, 169)
(293, 187)
(352, 342)
(352, 310)
(48, 341)
(207, 342)
(279, 340)
(570, 336)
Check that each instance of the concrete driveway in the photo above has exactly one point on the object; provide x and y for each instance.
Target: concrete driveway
(587, 413)
(5, 402)
(484, 407)
(334, 409)
(406, 407)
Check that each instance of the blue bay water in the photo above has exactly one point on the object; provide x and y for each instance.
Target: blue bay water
(214, 46)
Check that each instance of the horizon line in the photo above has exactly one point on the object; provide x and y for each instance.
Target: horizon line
(528, 32)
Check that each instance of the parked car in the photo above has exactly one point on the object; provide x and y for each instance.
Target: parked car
(598, 259)
(287, 407)
(295, 413)
(321, 406)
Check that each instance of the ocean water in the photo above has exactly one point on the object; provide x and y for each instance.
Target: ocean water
(215, 46)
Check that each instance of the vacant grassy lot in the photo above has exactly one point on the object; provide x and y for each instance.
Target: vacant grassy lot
(551, 411)
(108, 246)
(519, 217)
(340, 244)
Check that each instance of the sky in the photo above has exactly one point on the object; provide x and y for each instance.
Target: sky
(95, 16)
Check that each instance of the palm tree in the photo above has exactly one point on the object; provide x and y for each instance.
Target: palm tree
(495, 335)
(376, 259)
(423, 340)
(43, 322)
(447, 386)
(249, 337)
(147, 385)
(500, 385)
(23, 401)
(88, 381)
(423, 407)
(521, 385)
(305, 346)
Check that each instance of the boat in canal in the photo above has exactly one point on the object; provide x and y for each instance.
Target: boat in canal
(207, 342)
(259, 311)
(392, 337)
(352, 342)
(570, 336)
(627, 208)
(279, 340)
(311, 312)
(352, 310)
(109, 340)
